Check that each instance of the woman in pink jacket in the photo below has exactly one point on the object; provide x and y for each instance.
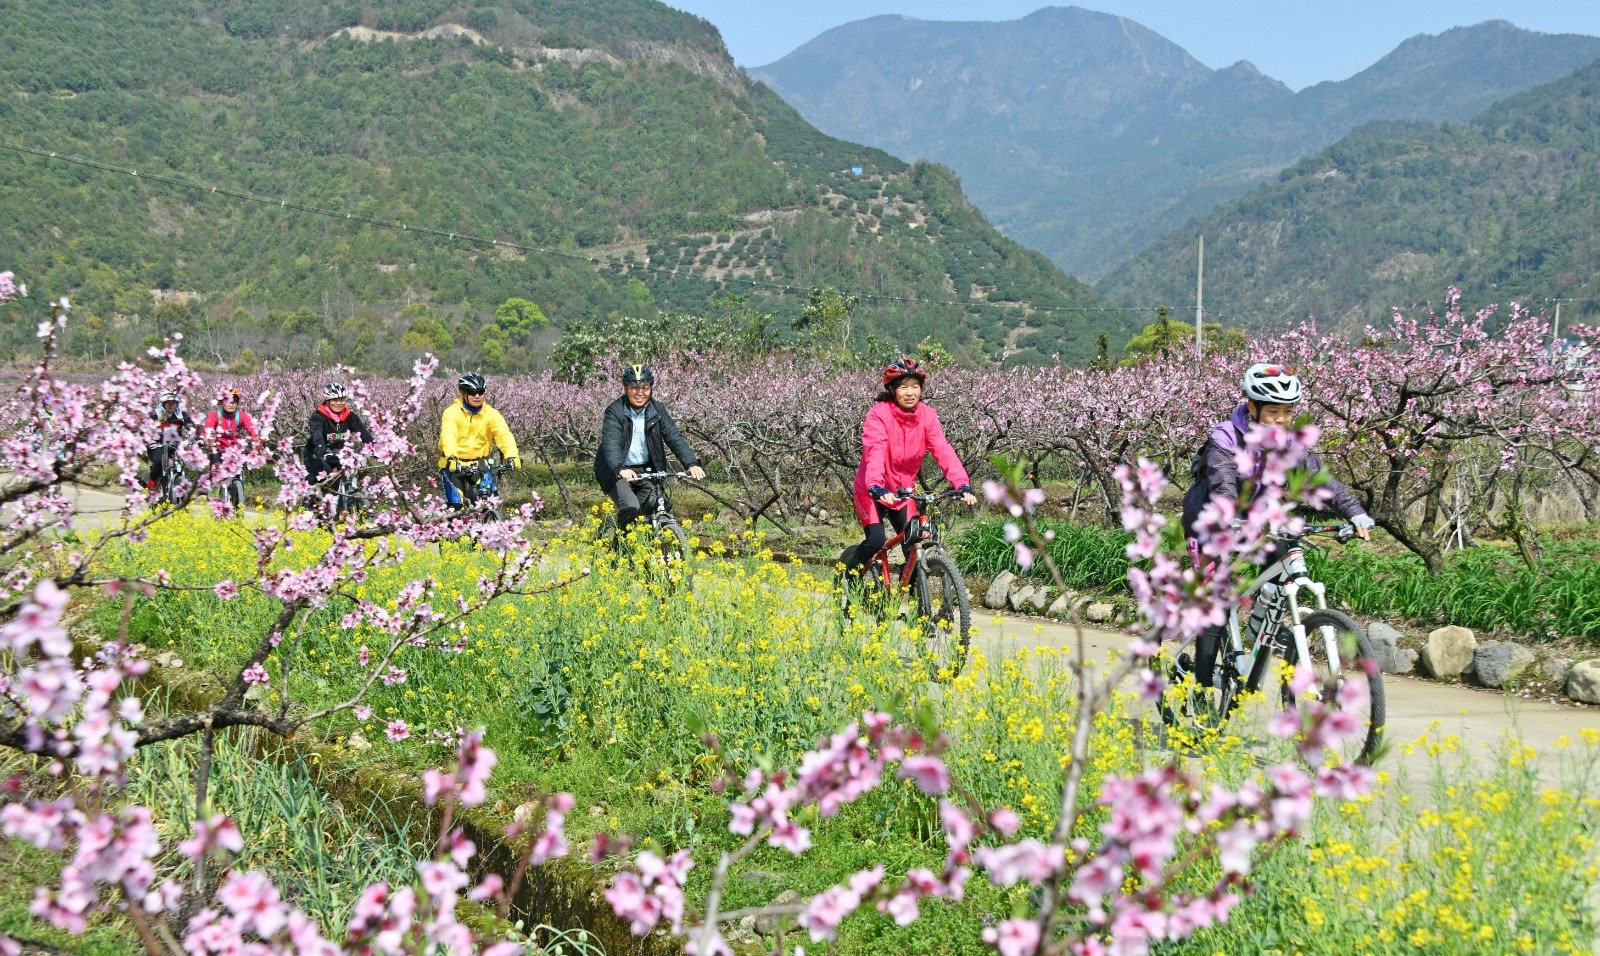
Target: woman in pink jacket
(899, 432)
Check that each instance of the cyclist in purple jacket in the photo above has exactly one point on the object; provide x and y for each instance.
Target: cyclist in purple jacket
(1272, 394)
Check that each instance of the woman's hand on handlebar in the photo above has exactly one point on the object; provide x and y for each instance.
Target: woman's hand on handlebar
(968, 498)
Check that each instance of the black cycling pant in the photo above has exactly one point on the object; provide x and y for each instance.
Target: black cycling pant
(157, 457)
(855, 558)
(631, 501)
(1208, 644)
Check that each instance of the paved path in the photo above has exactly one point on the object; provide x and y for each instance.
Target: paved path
(1479, 717)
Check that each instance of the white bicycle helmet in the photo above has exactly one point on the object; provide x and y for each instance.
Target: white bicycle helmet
(170, 397)
(334, 390)
(1272, 384)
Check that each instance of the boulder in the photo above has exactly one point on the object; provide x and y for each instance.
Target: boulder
(1060, 606)
(1021, 598)
(1385, 642)
(999, 590)
(169, 660)
(1449, 651)
(768, 923)
(1405, 661)
(1555, 669)
(1039, 600)
(526, 813)
(1583, 682)
(357, 742)
(1500, 661)
(1100, 612)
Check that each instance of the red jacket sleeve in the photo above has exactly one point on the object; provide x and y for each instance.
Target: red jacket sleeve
(949, 461)
(212, 421)
(249, 425)
(875, 450)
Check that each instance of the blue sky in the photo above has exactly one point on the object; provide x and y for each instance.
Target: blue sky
(1299, 42)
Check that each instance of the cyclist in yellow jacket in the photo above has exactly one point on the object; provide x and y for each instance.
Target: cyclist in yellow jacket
(469, 431)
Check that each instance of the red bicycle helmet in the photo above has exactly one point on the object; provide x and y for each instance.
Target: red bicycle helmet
(904, 367)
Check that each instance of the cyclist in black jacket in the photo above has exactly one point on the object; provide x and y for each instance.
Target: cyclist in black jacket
(634, 436)
(332, 425)
(175, 425)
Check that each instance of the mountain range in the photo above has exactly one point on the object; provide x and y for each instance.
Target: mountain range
(1088, 136)
(612, 147)
(1505, 208)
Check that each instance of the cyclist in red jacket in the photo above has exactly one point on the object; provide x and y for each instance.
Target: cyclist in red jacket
(227, 424)
(898, 434)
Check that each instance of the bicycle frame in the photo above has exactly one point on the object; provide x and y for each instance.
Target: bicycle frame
(481, 472)
(658, 481)
(928, 532)
(1292, 577)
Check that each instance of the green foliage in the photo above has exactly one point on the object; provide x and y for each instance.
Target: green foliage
(1502, 208)
(1086, 556)
(734, 329)
(826, 321)
(518, 318)
(1167, 335)
(426, 333)
(426, 132)
(320, 853)
(1487, 588)
(298, 322)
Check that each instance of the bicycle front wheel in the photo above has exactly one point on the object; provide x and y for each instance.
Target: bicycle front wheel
(673, 541)
(944, 614)
(1358, 671)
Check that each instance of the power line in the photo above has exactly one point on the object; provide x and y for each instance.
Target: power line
(453, 237)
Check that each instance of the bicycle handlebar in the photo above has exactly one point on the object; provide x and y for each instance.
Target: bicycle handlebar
(911, 494)
(483, 464)
(658, 475)
(1340, 532)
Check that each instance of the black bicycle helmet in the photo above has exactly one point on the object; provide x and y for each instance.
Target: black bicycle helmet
(472, 383)
(638, 375)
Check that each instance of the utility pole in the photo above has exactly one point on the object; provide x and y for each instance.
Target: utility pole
(1199, 300)
(1555, 329)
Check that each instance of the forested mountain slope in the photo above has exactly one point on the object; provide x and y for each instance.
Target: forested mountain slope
(1087, 135)
(612, 129)
(1506, 207)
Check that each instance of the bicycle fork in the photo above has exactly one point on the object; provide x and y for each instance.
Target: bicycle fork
(1297, 632)
(1246, 666)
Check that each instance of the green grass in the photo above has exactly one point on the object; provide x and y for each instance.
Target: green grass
(319, 852)
(1486, 588)
(21, 869)
(602, 689)
(1087, 556)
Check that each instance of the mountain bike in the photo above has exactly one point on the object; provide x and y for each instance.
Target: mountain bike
(941, 611)
(172, 486)
(1279, 625)
(347, 494)
(231, 491)
(664, 525)
(478, 479)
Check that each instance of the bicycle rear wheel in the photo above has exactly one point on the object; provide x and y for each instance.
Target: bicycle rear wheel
(944, 614)
(1357, 665)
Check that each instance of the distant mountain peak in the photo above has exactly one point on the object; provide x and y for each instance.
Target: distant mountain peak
(1088, 134)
